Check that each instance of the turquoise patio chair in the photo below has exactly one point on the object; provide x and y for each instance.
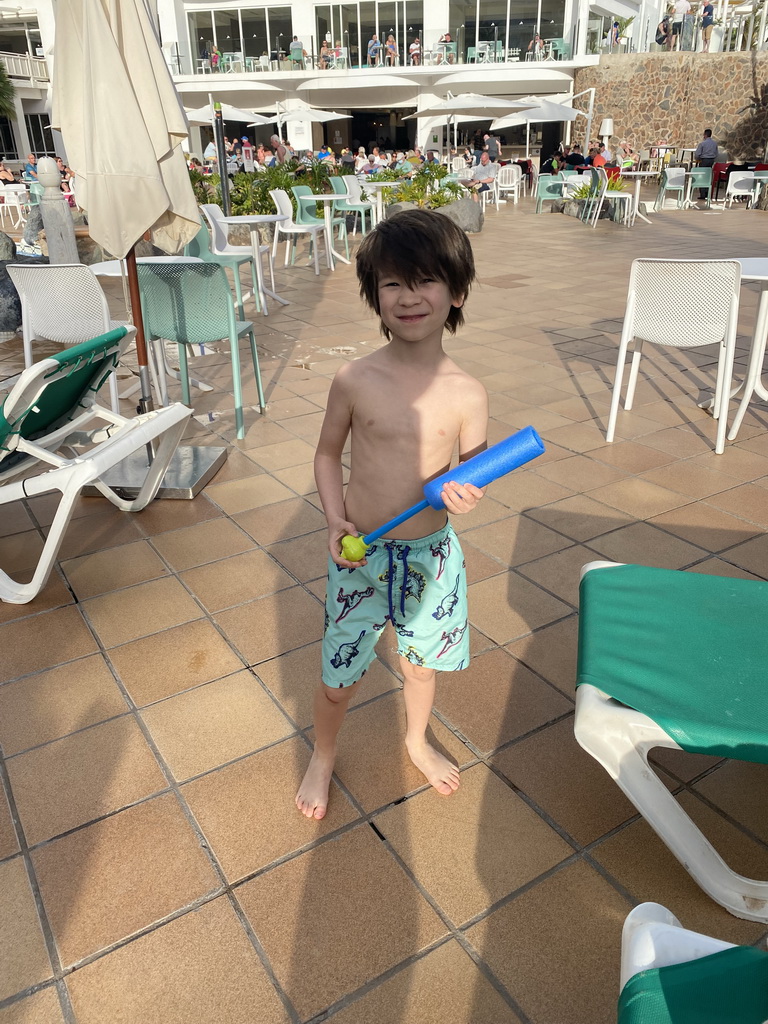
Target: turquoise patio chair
(548, 188)
(701, 178)
(191, 304)
(346, 205)
(674, 659)
(51, 419)
(672, 180)
(200, 246)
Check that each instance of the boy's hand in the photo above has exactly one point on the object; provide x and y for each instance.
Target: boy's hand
(336, 531)
(459, 498)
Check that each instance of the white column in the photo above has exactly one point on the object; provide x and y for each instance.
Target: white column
(20, 130)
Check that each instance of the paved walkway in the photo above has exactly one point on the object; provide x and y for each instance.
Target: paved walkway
(155, 699)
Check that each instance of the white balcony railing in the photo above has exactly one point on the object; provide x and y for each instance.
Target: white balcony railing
(23, 65)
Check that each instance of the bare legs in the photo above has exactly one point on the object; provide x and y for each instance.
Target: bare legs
(330, 709)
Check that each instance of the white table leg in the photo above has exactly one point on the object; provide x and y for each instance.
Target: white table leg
(263, 290)
(638, 183)
(331, 253)
(753, 384)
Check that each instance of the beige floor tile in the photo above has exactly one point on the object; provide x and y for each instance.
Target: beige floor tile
(96, 533)
(22, 946)
(690, 478)
(559, 573)
(235, 580)
(736, 787)
(55, 594)
(496, 699)
(270, 626)
(105, 882)
(101, 571)
(41, 1008)
(683, 442)
(646, 868)
(479, 566)
(173, 515)
(577, 437)
(644, 544)
(544, 944)
(305, 557)
(65, 634)
(551, 652)
(126, 615)
(8, 842)
(321, 918)
(507, 607)
(204, 542)
(445, 985)
(281, 521)
(247, 809)
(214, 723)
(747, 502)
(81, 777)
(283, 454)
(638, 497)
(488, 511)
(233, 496)
(578, 473)
(300, 479)
(580, 517)
(739, 463)
(569, 785)
(752, 555)
(373, 763)
(447, 844)
(200, 967)
(706, 526)
(43, 507)
(16, 519)
(719, 567)
(293, 677)
(20, 552)
(516, 540)
(633, 456)
(159, 666)
(51, 704)
(519, 491)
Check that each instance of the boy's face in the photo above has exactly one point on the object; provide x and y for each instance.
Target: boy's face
(416, 312)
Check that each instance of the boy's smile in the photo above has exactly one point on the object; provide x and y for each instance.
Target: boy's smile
(414, 311)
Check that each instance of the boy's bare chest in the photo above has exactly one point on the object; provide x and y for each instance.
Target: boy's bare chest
(429, 415)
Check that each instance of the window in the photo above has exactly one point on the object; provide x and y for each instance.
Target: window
(8, 147)
(39, 131)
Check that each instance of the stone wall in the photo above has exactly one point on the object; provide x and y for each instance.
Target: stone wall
(673, 97)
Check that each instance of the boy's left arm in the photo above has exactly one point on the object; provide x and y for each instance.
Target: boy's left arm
(473, 439)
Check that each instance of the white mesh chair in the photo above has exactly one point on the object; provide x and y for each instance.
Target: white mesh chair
(706, 308)
(741, 184)
(221, 246)
(292, 230)
(625, 198)
(51, 419)
(509, 180)
(63, 303)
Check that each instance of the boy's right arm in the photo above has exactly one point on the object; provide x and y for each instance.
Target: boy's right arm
(328, 470)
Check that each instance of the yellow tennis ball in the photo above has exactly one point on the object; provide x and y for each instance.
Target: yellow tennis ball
(353, 548)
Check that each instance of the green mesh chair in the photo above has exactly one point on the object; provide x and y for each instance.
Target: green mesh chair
(674, 659)
(348, 205)
(672, 180)
(670, 975)
(548, 188)
(191, 304)
(306, 213)
(200, 246)
(700, 178)
(52, 418)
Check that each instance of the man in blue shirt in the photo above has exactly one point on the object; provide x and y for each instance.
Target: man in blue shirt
(373, 50)
(707, 21)
(30, 168)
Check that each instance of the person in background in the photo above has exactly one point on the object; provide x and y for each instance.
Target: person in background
(281, 153)
(681, 8)
(324, 57)
(6, 175)
(706, 154)
(374, 46)
(392, 56)
(492, 147)
(551, 166)
(707, 21)
(30, 168)
(536, 48)
(360, 160)
(575, 158)
(347, 158)
(414, 52)
(447, 40)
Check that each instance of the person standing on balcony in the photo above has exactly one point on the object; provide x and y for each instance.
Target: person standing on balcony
(707, 21)
(682, 7)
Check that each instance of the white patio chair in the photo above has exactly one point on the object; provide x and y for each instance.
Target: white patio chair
(706, 309)
(509, 179)
(741, 184)
(15, 204)
(625, 198)
(491, 194)
(458, 165)
(292, 230)
(63, 303)
(46, 413)
(670, 975)
(674, 659)
(221, 246)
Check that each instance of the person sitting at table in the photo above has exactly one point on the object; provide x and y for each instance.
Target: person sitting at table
(296, 52)
(281, 153)
(374, 46)
(536, 48)
(360, 160)
(600, 159)
(469, 156)
(551, 165)
(414, 52)
(392, 54)
(575, 158)
(482, 177)
(324, 57)
(370, 166)
(626, 157)
(445, 42)
(347, 158)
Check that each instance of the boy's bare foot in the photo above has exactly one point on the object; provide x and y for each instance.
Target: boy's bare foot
(312, 798)
(441, 773)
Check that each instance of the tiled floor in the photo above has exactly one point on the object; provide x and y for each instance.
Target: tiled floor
(155, 700)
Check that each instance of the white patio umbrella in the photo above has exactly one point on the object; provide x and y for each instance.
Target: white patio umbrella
(469, 105)
(204, 115)
(545, 110)
(285, 116)
(123, 124)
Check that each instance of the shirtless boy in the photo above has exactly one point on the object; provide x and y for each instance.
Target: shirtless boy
(406, 405)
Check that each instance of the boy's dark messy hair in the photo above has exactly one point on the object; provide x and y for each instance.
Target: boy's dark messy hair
(415, 244)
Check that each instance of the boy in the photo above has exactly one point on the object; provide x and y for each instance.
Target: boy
(406, 405)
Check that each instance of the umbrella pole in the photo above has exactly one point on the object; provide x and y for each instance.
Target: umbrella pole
(218, 134)
(145, 402)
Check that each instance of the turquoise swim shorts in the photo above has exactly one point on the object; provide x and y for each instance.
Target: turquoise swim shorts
(419, 585)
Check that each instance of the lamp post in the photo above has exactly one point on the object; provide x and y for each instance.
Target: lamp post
(606, 130)
(460, 44)
(347, 47)
(495, 28)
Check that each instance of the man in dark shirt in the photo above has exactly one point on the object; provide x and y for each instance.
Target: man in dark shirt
(575, 158)
(707, 20)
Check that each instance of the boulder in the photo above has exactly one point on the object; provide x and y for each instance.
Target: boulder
(7, 247)
(466, 213)
(393, 208)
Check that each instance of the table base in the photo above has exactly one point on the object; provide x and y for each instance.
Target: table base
(190, 469)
